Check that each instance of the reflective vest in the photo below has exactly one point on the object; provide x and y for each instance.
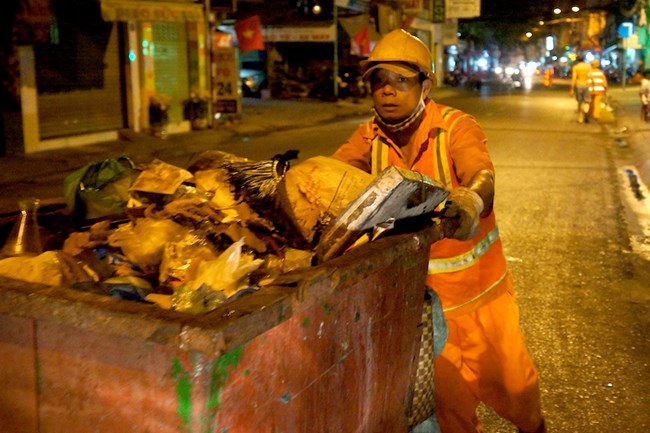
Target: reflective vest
(597, 82)
(464, 274)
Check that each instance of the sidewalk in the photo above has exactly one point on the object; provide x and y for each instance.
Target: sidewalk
(258, 117)
(627, 115)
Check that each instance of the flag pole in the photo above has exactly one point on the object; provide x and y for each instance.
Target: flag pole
(208, 59)
(336, 50)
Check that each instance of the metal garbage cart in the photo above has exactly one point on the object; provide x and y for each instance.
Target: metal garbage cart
(331, 348)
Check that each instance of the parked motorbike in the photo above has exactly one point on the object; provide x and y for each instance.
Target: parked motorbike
(350, 85)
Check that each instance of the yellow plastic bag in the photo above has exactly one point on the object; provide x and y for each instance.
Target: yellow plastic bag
(52, 268)
(216, 280)
(143, 240)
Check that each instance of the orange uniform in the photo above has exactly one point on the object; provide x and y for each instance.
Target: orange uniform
(470, 277)
(597, 89)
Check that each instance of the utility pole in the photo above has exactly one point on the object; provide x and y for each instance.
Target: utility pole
(208, 59)
(623, 62)
(335, 13)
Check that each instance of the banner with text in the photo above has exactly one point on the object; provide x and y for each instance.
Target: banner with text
(463, 8)
(122, 10)
(225, 80)
(299, 34)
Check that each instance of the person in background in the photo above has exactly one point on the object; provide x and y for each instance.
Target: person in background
(580, 87)
(644, 92)
(548, 75)
(597, 89)
(485, 357)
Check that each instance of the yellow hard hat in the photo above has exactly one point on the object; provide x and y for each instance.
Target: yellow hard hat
(595, 63)
(400, 52)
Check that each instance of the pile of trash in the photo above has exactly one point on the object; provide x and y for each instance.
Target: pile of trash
(192, 238)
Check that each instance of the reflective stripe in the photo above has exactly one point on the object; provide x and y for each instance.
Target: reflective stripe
(441, 169)
(483, 293)
(597, 82)
(379, 155)
(465, 260)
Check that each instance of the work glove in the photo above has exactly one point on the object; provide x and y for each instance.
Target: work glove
(461, 214)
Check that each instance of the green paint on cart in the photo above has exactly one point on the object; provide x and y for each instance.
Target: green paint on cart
(218, 377)
(183, 393)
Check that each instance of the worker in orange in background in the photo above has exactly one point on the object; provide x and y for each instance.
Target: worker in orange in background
(485, 357)
(548, 76)
(597, 89)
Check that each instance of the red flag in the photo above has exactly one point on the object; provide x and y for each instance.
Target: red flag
(408, 21)
(362, 39)
(249, 34)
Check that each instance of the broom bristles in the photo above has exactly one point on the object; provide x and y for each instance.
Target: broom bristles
(258, 181)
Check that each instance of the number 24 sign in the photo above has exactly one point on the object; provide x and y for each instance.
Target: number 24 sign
(225, 74)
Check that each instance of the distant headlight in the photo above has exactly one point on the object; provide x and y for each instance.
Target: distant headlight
(252, 83)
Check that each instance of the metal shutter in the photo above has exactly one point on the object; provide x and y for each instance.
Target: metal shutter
(171, 65)
(89, 110)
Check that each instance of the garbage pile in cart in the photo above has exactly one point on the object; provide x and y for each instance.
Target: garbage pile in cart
(194, 238)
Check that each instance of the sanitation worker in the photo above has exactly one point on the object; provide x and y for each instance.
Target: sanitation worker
(485, 357)
(597, 89)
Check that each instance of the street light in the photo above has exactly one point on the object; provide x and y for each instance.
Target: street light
(575, 8)
(557, 11)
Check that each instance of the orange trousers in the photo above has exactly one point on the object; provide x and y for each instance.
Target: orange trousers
(485, 360)
(594, 106)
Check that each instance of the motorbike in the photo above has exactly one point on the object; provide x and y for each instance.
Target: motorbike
(350, 85)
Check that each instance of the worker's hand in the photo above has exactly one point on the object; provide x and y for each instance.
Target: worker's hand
(461, 214)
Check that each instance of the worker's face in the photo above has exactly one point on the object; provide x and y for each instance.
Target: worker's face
(394, 96)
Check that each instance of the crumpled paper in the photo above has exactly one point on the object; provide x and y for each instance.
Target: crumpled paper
(160, 177)
(52, 268)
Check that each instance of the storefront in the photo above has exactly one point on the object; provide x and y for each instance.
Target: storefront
(300, 58)
(103, 65)
(166, 58)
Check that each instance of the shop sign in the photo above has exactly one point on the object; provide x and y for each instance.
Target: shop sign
(625, 30)
(450, 32)
(123, 10)
(299, 34)
(439, 12)
(463, 8)
(225, 80)
(632, 42)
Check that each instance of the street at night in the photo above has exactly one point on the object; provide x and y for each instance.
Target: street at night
(324, 216)
(575, 236)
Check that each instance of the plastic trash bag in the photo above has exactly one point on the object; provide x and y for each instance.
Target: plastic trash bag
(216, 280)
(143, 240)
(52, 268)
(127, 288)
(99, 189)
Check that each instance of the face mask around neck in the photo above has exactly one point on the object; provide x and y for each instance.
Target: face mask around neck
(400, 126)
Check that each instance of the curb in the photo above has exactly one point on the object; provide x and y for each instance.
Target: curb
(627, 108)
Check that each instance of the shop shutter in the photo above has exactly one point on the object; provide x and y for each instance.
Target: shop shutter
(171, 65)
(85, 110)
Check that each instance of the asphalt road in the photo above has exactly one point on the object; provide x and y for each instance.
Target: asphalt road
(564, 212)
(572, 241)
